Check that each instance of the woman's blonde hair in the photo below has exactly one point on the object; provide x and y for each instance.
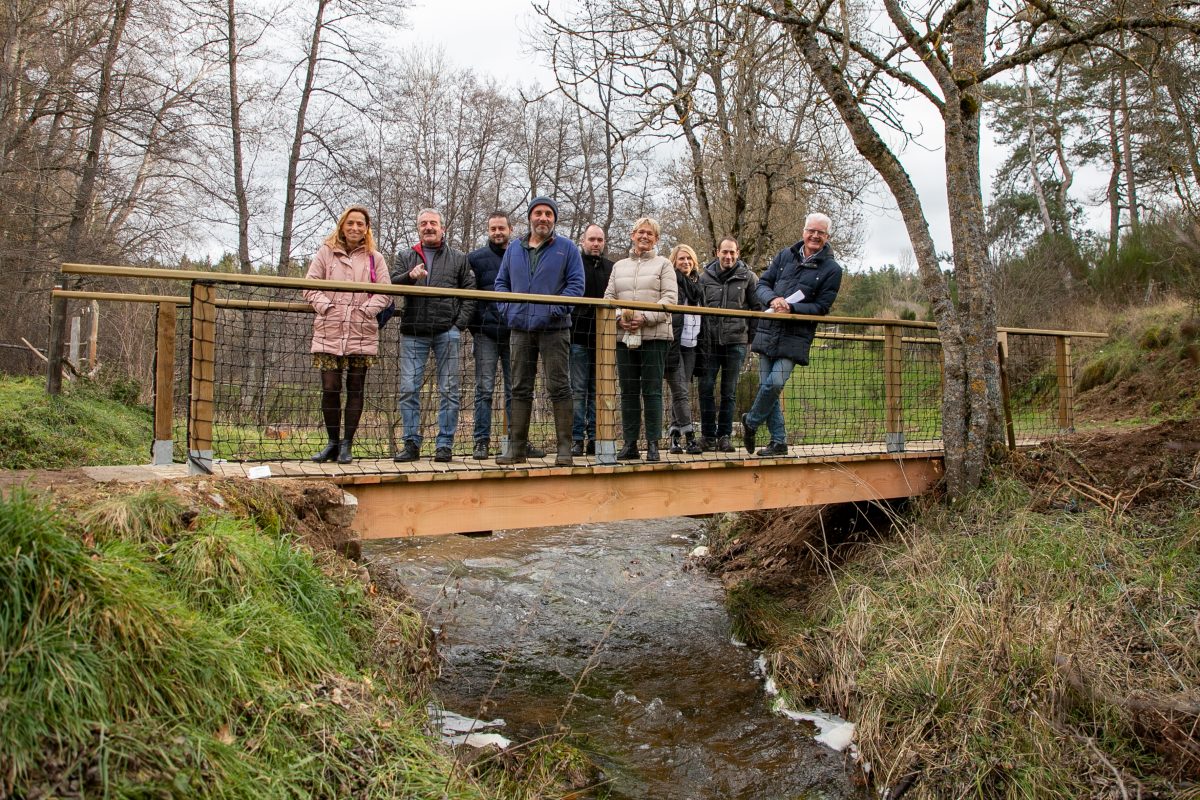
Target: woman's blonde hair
(648, 222)
(337, 239)
(685, 248)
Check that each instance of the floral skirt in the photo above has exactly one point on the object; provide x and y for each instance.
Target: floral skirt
(329, 361)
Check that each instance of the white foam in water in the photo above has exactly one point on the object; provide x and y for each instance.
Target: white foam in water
(457, 729)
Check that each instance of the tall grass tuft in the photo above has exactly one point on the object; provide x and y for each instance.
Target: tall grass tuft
(205, 660)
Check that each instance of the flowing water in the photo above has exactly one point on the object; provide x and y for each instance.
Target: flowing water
(601, 630)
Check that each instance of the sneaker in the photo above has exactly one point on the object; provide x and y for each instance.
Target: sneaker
(481, 449)
(748, 433)
(707, 444)
(724, 445)
(694, 448)
(410, 452)
(442, 454)
(577, 448)
(774, 449)
(676, 444)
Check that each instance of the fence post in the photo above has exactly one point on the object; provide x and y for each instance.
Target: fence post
(893, 352)
(54, 350)
(164, 385)
(606, 386)
(200, 407)
(1066, 384)
(1005, 398)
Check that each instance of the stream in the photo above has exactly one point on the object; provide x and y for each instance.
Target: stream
(599, 629)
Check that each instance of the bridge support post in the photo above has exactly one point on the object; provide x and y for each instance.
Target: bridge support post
(164, 385)
(1066, 384)
(200, 407)
(893, 371)
(1005, 398)
(607, 397)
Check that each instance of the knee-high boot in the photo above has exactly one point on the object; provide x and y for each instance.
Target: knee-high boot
(518, 440)
(564, 414)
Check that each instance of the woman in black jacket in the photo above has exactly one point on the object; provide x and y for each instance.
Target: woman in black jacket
(681, 358)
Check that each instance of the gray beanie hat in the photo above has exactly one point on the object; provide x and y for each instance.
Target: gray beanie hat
(542, 201)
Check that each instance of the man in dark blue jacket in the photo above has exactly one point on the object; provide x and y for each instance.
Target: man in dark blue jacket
(596, 271)
(489, 332)
(540, 263)
(802, 279)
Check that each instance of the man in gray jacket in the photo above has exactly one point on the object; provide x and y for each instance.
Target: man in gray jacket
(431, 324)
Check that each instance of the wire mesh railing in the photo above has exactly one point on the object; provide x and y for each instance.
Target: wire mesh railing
(244, 388)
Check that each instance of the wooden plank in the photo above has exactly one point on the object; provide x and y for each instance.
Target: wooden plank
(204, 337)
(1066, 383)
(607, 393)
(893, 353)
(397, 510)
(164, 372)
(1005, 397)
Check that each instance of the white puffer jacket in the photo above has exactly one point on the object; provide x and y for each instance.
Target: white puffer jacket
(646, 278)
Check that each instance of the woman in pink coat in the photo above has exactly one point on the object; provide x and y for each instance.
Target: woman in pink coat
(345, 331)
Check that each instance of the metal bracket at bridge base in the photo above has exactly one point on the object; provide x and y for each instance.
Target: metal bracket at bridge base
(200, 462)
(606, 452)
(162, 452)
(895, 442)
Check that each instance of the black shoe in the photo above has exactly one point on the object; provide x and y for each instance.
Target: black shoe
(442, 454)
(707, 444)
(410, 452)
(676, 446)
(344, 454)
(591, 447)
(329, 453)
(748, 433)
(481, 449)
(724, 445)
(534, 452)
(652, 451)
(577, 448)
(629, 453)
(774, 449)
(694, 448)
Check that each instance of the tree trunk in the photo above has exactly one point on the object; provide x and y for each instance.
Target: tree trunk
(235, 129)
(293, 172)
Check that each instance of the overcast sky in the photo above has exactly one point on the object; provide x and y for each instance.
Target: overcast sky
(486, 35)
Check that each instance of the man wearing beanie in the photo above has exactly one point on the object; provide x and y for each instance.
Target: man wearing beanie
(540, 263)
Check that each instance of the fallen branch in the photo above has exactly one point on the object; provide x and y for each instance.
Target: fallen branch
(36, 352)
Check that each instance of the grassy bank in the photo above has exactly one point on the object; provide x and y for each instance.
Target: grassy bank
(153, 647)
(89, 424)
(1027, 643)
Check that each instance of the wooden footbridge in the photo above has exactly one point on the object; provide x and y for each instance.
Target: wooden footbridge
(865, 415)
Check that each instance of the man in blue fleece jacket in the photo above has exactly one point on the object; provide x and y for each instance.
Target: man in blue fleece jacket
(540, 263)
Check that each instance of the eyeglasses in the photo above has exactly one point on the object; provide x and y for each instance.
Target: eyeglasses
(815, 231)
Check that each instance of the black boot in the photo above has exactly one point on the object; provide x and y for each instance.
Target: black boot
(329, 453)
(564, 411)
(676, 447)
(344, 455)
(518, 441)
(652, 451)
(693, 446)
(629, 452)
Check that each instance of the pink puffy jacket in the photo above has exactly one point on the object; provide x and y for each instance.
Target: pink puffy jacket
(345, 323)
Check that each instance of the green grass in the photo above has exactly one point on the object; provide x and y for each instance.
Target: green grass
(143, 655)
(991, 646)
(84, 426)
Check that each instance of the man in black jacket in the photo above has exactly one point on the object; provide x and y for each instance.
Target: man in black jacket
(596, 271)
(431, 324)
(725, 283)
(802, 279)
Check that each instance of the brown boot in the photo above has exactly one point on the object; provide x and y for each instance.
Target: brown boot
(518, 440)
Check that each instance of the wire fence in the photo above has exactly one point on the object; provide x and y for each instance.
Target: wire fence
(868, 388)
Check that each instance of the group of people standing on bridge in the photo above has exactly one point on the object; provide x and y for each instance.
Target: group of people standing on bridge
(652, 347)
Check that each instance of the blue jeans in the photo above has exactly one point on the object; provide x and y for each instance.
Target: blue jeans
(728, 360)
(583, 392)
(487, 352)
(414, 353)
(773, 374)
